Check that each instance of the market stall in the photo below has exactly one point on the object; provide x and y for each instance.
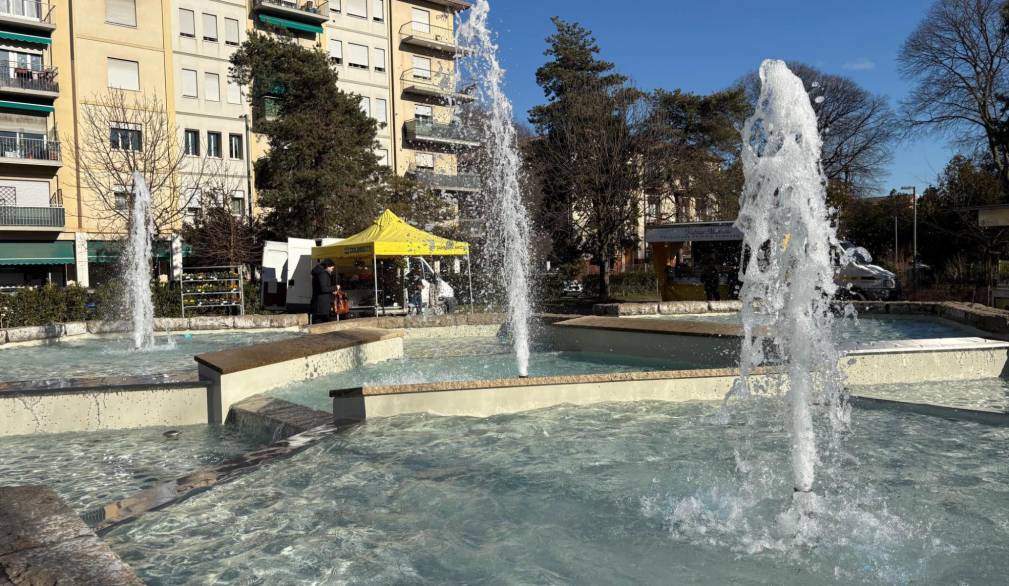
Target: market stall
(390, 237)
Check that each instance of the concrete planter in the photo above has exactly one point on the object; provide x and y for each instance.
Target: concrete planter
(108, 327)
(34, 333)
(212, 322)
(171, 324)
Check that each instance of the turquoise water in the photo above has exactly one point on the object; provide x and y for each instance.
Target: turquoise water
(114, 356)
(467, 359)
(989, 394)
(91, 469)
(643, 493)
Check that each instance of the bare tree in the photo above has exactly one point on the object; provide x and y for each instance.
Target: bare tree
(122, 132)
(856, 126)
(958, 56)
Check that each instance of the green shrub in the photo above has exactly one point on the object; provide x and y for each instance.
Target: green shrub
(167, 300)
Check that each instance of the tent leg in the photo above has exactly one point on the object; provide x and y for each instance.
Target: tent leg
(374, 274)
(469, 275)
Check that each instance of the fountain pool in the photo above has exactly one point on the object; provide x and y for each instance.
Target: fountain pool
(115, 356)
(462, 359)
(91, 469)
(618, 493)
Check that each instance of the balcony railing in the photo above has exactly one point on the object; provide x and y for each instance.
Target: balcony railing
(29, 149)
(310, 10)
(445, 182)
(31, 10)
(33, 217)
(29, 80)
(451, 134)
(437, 84)
(429, 36)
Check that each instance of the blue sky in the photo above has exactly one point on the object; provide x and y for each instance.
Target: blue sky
(705, 45)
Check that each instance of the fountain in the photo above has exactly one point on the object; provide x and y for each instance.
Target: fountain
(511, 226)
(138, 266)
(788, 277)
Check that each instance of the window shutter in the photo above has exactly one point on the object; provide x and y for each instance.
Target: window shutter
(380, 110)
(421, 67)
(358, 55)
(234, 93)
(421, 111)
(212, 86)
(379, 59)
(124, 74)
(187, 23)
(424, 160)
(357, 8)
(336, 50)
(421, 20)
(120, 12)
(366, 105)
(189, 83)
(210, 27)
(378, 10)
(231, 31)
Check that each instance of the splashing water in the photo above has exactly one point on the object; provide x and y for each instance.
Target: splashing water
(138, 266)
(788, 277)
(511, 220)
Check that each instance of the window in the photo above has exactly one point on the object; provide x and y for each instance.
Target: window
(124, 75)
(383, 157)
(358, 56)
(423, 113)
(421, 67)
(334, 6)
(187, 23)
(214, 144)
(424, 161)
(366, 105)
(189, 89)
(11, 59)
(212, 87)
(421, 20)
(234, 93)
(238, 203)
(271, 108)
(378, 10)
(357, 8)
(235, 150)
(210, 27)
(335, 51)
(122, 196)
(124, 136)
(122, 12)
(379, 59)
(191, 142)
(380, 110)
(231, 31)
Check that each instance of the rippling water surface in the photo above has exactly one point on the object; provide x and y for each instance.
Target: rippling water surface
(644, 493)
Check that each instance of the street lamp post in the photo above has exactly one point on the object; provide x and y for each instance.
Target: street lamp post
(914, 245)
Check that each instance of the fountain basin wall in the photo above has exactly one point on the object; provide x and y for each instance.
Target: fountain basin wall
(60, 331)
(239, 373)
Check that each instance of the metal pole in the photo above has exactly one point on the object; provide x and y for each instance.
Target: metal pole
(469, 275)
(914, 254)
(896, 243)
(374, 274)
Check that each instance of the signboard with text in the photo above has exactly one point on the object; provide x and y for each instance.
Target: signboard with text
(699, 232)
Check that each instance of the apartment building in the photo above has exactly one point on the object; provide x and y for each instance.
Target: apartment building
(59, 58)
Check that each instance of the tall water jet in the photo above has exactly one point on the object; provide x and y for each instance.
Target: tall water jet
(789, 263)
(138, 266)
(510, 227)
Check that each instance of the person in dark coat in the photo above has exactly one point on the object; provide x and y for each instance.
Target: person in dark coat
(322, 291)
(711, 279)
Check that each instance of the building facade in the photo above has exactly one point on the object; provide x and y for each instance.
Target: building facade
(59, 58)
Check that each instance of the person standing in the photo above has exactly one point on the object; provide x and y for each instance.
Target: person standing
(711, 279)
(322, 291)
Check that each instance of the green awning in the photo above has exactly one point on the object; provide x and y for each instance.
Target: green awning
(27, 106)
(60, 252)
(107, 251)
(290, 24)
(25, 38)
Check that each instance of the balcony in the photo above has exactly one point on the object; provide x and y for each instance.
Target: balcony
(27, 14)
(29, 149)
(452, 4)
(297, 10)
(23, 81)
(435, 84)
(463, 182)
(443, 134)
(436, 38)
(33, 218)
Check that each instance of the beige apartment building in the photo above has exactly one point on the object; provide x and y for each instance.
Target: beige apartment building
(59, 57)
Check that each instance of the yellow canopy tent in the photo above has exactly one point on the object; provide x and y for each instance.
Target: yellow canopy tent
(390, 236)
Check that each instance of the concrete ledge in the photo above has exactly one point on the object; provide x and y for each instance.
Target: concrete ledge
(654, 326)
(280, 419)
(240, 373)
(412, 322)
(976, 415)
(42, 541)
